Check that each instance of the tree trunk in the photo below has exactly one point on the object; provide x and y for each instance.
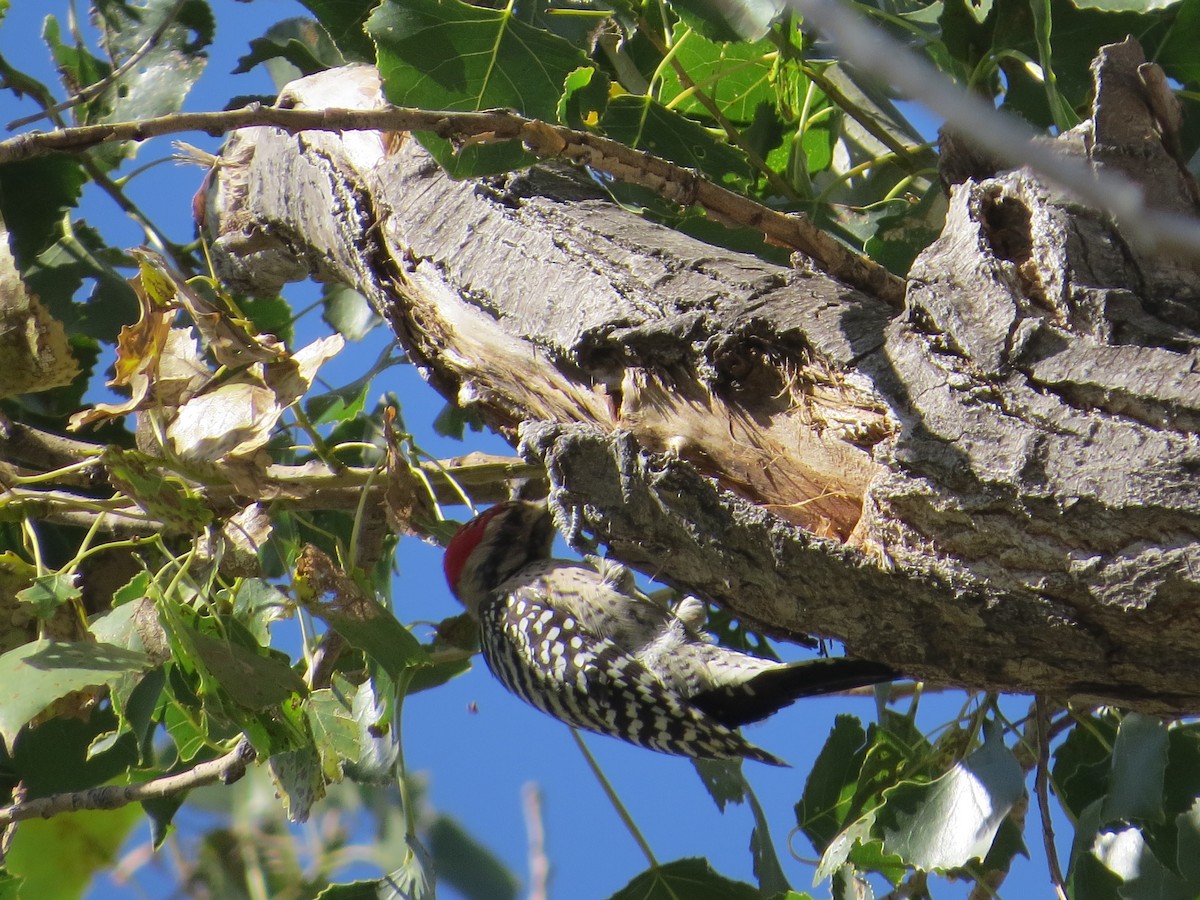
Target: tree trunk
(994, 487)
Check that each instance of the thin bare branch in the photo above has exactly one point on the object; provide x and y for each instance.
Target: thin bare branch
(674, 183)
(226, 769)
(539, 865)
(1041, 786)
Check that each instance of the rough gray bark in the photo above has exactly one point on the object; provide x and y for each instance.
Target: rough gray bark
(995, 487)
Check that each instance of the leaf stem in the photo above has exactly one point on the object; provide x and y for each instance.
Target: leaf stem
(614, 799)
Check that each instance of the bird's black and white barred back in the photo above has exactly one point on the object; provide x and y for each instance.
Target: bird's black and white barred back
(582, 644)
(545, 656)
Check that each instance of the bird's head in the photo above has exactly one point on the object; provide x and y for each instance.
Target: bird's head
(494, 546)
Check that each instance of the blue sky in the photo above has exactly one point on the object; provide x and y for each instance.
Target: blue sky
(477, 744)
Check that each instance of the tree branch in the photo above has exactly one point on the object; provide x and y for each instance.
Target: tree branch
(674, 183)
(226, 769)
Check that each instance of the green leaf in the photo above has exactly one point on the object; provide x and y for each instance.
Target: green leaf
(1126, 854)
(831, 784)
(428, 677)
(176, 59)
(335, 731)
(948, 822)
(345, 22)
(737, 77)
(645, 123)
(370, 627)
(49, 592)
(254, 680)
(869, 856)
(691, 878)
(269, 315)
(467, 866)
(292, 48)
(729, 20)
(1139, 764)
(585, 95)
(37, 674)
(258, 604)
(348, 312)
(723, 779)
(445, 54)
(414, 880)
(355, 890)
(10, 886)
(341, 405)
(374, 711)
(1179, 54)
(297, 774)
(1181, 783)
(58, 857)
(77, 68)
(906, 229)
(453, 421)
(1136, 6)
(34, 194)
(1082, 762)
(1188, 855)
(767, 869)
(137, 587)
(79, 257)
(348, 401)
(161, 812)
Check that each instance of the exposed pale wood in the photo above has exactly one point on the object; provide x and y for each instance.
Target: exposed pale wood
(996, 487)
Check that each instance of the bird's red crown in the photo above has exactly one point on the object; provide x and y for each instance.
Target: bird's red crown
(464, 542)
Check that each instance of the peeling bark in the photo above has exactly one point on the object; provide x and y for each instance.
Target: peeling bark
(995, 487)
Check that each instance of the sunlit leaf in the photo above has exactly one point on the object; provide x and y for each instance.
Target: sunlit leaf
(37, 674)
(1126, 854)
(348, 312)
(953, 819)
(49, 592)
(735, 76)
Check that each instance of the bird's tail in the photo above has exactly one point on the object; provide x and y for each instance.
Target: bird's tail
(772, 689)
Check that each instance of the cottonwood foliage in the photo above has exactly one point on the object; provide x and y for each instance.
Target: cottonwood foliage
(155, 537)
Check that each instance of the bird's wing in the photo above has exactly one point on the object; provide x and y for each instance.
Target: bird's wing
(548, 658)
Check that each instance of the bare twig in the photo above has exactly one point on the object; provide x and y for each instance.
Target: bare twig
(674, 183)
(539, 866)
(1041, 786)
(227, 769)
